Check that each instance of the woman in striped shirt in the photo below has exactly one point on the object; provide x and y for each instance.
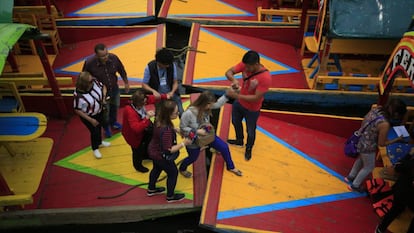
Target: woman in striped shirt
(89, 99)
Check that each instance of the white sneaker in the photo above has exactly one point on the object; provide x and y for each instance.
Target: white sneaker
(97, 154)
(105, 144)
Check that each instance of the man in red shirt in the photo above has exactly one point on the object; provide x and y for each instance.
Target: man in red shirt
(256, 81)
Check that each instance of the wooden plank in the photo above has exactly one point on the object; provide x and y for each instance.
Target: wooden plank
(28, 81)
(37, 10)
(359, 80)
(13, 200)
(311, 44)
(355, 46)
(363, 46)
(18, 129)
(384, 157)
(21, 75)
(9, 89)
(284, 13)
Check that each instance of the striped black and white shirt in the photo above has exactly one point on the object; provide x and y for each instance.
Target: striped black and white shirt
(91, 101)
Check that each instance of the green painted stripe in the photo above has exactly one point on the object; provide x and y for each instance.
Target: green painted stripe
(66, 163)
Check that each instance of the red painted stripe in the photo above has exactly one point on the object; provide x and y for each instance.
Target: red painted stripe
(353, 216)
(213, 195)
(342, 127)
(160, 35)
(164, 9)
(199, 173)
(150, 8)
(225, 121)
(212, 203)
(192, 54)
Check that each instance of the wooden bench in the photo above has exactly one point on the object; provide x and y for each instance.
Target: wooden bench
(16, 200)
(36, 81)
(36, 10)
(9, 200)
(344, 46)
(20, 127)
(10, 100)
(22, 75)
(288, 16)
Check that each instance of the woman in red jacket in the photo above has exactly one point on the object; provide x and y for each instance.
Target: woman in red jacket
(137, 126)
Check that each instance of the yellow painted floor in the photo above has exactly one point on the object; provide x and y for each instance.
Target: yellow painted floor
(134, 64)
(200, 8)
(116, 163)
(273, 169)
(29, 64)
(113, 8)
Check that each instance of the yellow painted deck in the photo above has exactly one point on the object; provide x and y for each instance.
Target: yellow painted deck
(292, 184)
(116, 165)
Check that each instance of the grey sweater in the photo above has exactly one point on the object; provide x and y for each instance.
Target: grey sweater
(188, 121)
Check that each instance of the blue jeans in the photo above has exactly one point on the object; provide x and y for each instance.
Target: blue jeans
(218, 144)
(113, 106)
(237, 115)
(169, 167)
(177, 99)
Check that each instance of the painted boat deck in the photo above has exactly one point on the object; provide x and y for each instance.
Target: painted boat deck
(292, 184)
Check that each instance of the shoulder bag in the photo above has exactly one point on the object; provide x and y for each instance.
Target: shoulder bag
(350, 148)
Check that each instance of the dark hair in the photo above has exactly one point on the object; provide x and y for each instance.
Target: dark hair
(164, 56)
(201, 102)
(138, 97)
(395, 109)
(251, 58)
(99, 47)
(164, 113)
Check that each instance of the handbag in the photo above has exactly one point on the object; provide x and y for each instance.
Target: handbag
(204, 140)
(350, 148)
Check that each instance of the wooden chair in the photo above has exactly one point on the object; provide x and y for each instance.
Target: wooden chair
(25, 46)
(10, 100)
(47, 25)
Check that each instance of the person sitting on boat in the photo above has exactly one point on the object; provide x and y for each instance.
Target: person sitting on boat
(89, 99)
(199, 112)
(163, 150)
(137, 126)
(376, 123)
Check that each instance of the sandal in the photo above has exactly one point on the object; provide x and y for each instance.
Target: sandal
(236, 171)
(186, 174)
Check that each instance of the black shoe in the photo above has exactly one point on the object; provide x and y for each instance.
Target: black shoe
(236, 142)
(348, 179)
(156, 191)
(175, 197)
(142, 169)
(248, 154)
(377, 230)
